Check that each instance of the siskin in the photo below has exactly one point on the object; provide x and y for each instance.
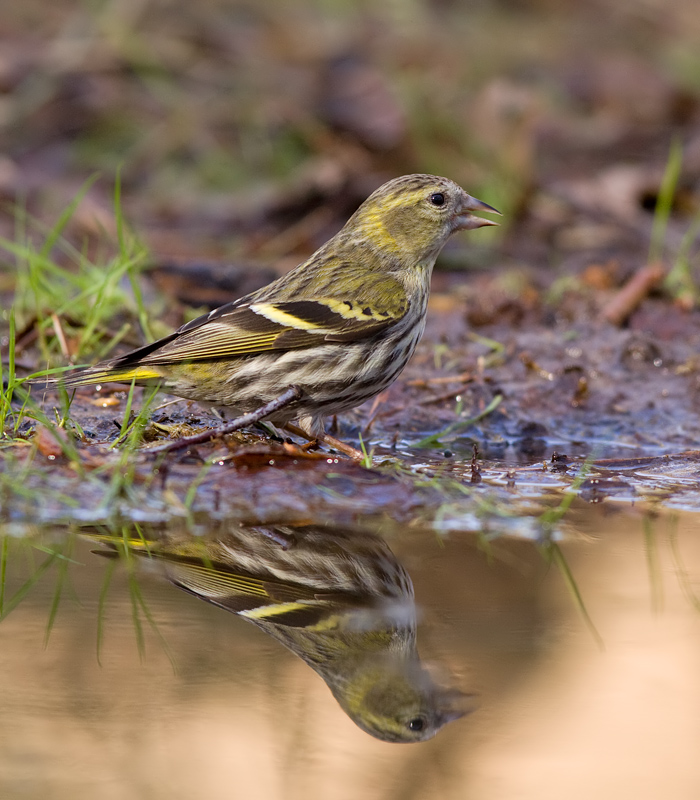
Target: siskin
(342, 603)
(340, 326)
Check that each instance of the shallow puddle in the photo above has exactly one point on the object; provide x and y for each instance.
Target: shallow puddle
(578, 662)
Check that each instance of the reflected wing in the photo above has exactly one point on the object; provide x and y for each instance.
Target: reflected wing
(257, 599)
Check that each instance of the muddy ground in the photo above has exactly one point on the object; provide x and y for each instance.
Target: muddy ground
(572, 388)
(242, 149)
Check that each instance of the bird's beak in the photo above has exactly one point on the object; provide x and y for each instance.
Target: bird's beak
(464, 220)
(456, 705)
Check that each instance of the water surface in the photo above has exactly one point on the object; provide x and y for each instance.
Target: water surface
(213, 707)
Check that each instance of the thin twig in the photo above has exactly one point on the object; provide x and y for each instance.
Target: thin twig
(378, 400)
(465, 377)
(58, 330)
(170, 403)
(282, 401)
(633, 292)
(328, 440)
(439, 398)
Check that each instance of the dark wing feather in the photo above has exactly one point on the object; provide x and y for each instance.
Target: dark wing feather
(259, 599)
(264, 327)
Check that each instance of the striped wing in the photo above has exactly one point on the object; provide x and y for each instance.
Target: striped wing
(257, 599)
(265, 321)
(284, 603)
(240, 330)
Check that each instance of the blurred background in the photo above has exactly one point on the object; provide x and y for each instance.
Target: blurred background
(252, 128)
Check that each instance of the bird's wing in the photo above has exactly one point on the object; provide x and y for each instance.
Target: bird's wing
(263, 326)
(258, 599)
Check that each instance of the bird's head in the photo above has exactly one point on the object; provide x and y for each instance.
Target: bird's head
(398, 701)
(413, 216)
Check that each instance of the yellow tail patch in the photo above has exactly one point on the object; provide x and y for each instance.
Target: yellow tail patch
(92, 376)
(138, 373)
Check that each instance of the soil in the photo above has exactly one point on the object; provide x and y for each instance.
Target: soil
(561, 354)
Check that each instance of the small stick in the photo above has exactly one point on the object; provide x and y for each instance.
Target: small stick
(58, 330)
(632, 293)
(464, 377)
(170, 403)
(439, 398)
(328, 440)
(282, 401)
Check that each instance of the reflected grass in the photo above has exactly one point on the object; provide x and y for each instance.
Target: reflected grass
(61, 569)
(139, 607)
(651, 553)
(120, 538)
(102, 608)
(128, 546)
(54, 555)
(58, 562)
(682, 573)
(339, 600)
(553, 553)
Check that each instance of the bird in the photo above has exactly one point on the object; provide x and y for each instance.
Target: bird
(339, 327)
(337, 599)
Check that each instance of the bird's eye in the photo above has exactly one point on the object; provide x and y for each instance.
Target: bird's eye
(437, 199)
(416, 724)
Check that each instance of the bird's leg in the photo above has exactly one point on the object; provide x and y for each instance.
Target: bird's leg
(285, 540)
(328, 440)
(270, 430)
(245, 420)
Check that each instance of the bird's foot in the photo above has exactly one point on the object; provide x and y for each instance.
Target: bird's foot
(328, 440)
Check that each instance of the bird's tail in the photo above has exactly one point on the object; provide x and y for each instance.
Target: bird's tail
(107, 372)
(119, 543)
(124, 369)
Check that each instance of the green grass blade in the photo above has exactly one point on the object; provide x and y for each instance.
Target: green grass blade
(64, 562)
(135, 597)
(27, 586)
(554, 552)
(680, 567)
(3, 573)
(66, 216)
(664, 201)
(454, 428)
(651, 552)
(102, 606)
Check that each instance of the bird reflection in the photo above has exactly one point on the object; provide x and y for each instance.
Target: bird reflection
(338, 600)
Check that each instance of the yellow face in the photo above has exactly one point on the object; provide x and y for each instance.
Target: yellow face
(399, 702)
(413, 216)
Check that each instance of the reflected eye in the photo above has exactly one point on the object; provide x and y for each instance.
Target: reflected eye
(437, 199)
(416, 724)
